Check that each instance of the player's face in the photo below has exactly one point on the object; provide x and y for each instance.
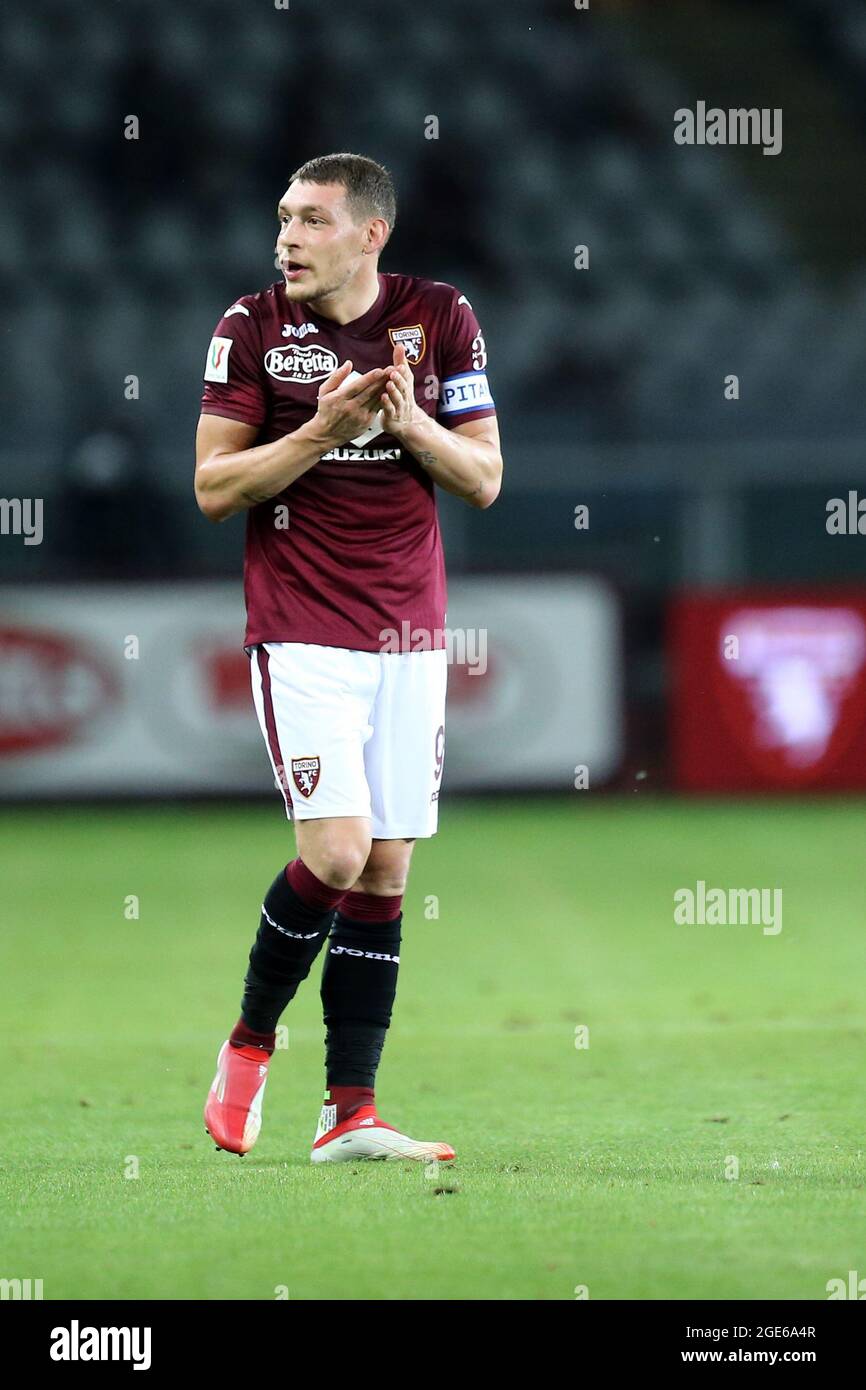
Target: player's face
(319, 247)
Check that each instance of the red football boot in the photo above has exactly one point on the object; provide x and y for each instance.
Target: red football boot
(233, 1110)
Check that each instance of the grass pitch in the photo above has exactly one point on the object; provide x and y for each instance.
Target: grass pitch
(713, 1050)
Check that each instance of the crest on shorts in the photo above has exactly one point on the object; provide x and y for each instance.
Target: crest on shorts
(413, 340)
(305, 774)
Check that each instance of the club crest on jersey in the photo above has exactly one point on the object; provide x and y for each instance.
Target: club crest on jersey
(413, 340)
(295, 362)
(305, 774)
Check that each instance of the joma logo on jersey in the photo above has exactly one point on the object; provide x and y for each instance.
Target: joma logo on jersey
(299, 363)
(413, 340)
(298, 330)
(305, 774)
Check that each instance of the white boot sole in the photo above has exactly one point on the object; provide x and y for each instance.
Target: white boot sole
(375, 1143)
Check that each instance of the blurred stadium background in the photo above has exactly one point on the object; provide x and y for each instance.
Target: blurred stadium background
(706, 517)
(118, 255)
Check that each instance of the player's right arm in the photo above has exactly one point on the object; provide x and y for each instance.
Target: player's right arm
(232, 472)
(231, 475)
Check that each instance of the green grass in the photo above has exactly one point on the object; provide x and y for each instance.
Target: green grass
(602, 1167)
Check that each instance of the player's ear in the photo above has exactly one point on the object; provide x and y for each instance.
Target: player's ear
(378, 232)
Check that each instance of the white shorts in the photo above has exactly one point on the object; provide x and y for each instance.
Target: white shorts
(354, 733)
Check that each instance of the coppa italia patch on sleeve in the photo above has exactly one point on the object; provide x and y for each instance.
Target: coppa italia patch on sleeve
(469, 391)
(217, 365)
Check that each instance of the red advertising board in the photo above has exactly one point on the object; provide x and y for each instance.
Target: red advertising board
(768, 690)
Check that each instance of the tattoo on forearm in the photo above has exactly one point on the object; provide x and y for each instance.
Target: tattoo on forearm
(427, 460)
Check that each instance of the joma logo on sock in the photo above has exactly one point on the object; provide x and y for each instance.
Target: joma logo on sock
(298, 935)
(368, 955)
(77, 1343)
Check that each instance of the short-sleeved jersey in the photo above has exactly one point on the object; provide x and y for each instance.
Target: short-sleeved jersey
(350, 552)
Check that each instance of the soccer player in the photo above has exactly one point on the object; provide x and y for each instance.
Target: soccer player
(335, 401)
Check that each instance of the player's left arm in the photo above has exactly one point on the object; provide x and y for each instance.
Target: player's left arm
(465, 460)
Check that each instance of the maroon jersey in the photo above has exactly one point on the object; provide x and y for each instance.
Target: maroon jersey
(350, 551)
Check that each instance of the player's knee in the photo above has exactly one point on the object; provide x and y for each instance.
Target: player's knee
(385, 880)
(387, 869)
(339, 862)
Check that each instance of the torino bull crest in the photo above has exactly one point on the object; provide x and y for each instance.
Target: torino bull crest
(305, 774)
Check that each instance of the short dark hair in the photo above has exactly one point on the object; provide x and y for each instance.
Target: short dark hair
(369, 186)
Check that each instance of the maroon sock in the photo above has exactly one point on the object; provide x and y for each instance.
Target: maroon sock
(369, 907)
(242, 1036)
(310, 889)
(348, 1099)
